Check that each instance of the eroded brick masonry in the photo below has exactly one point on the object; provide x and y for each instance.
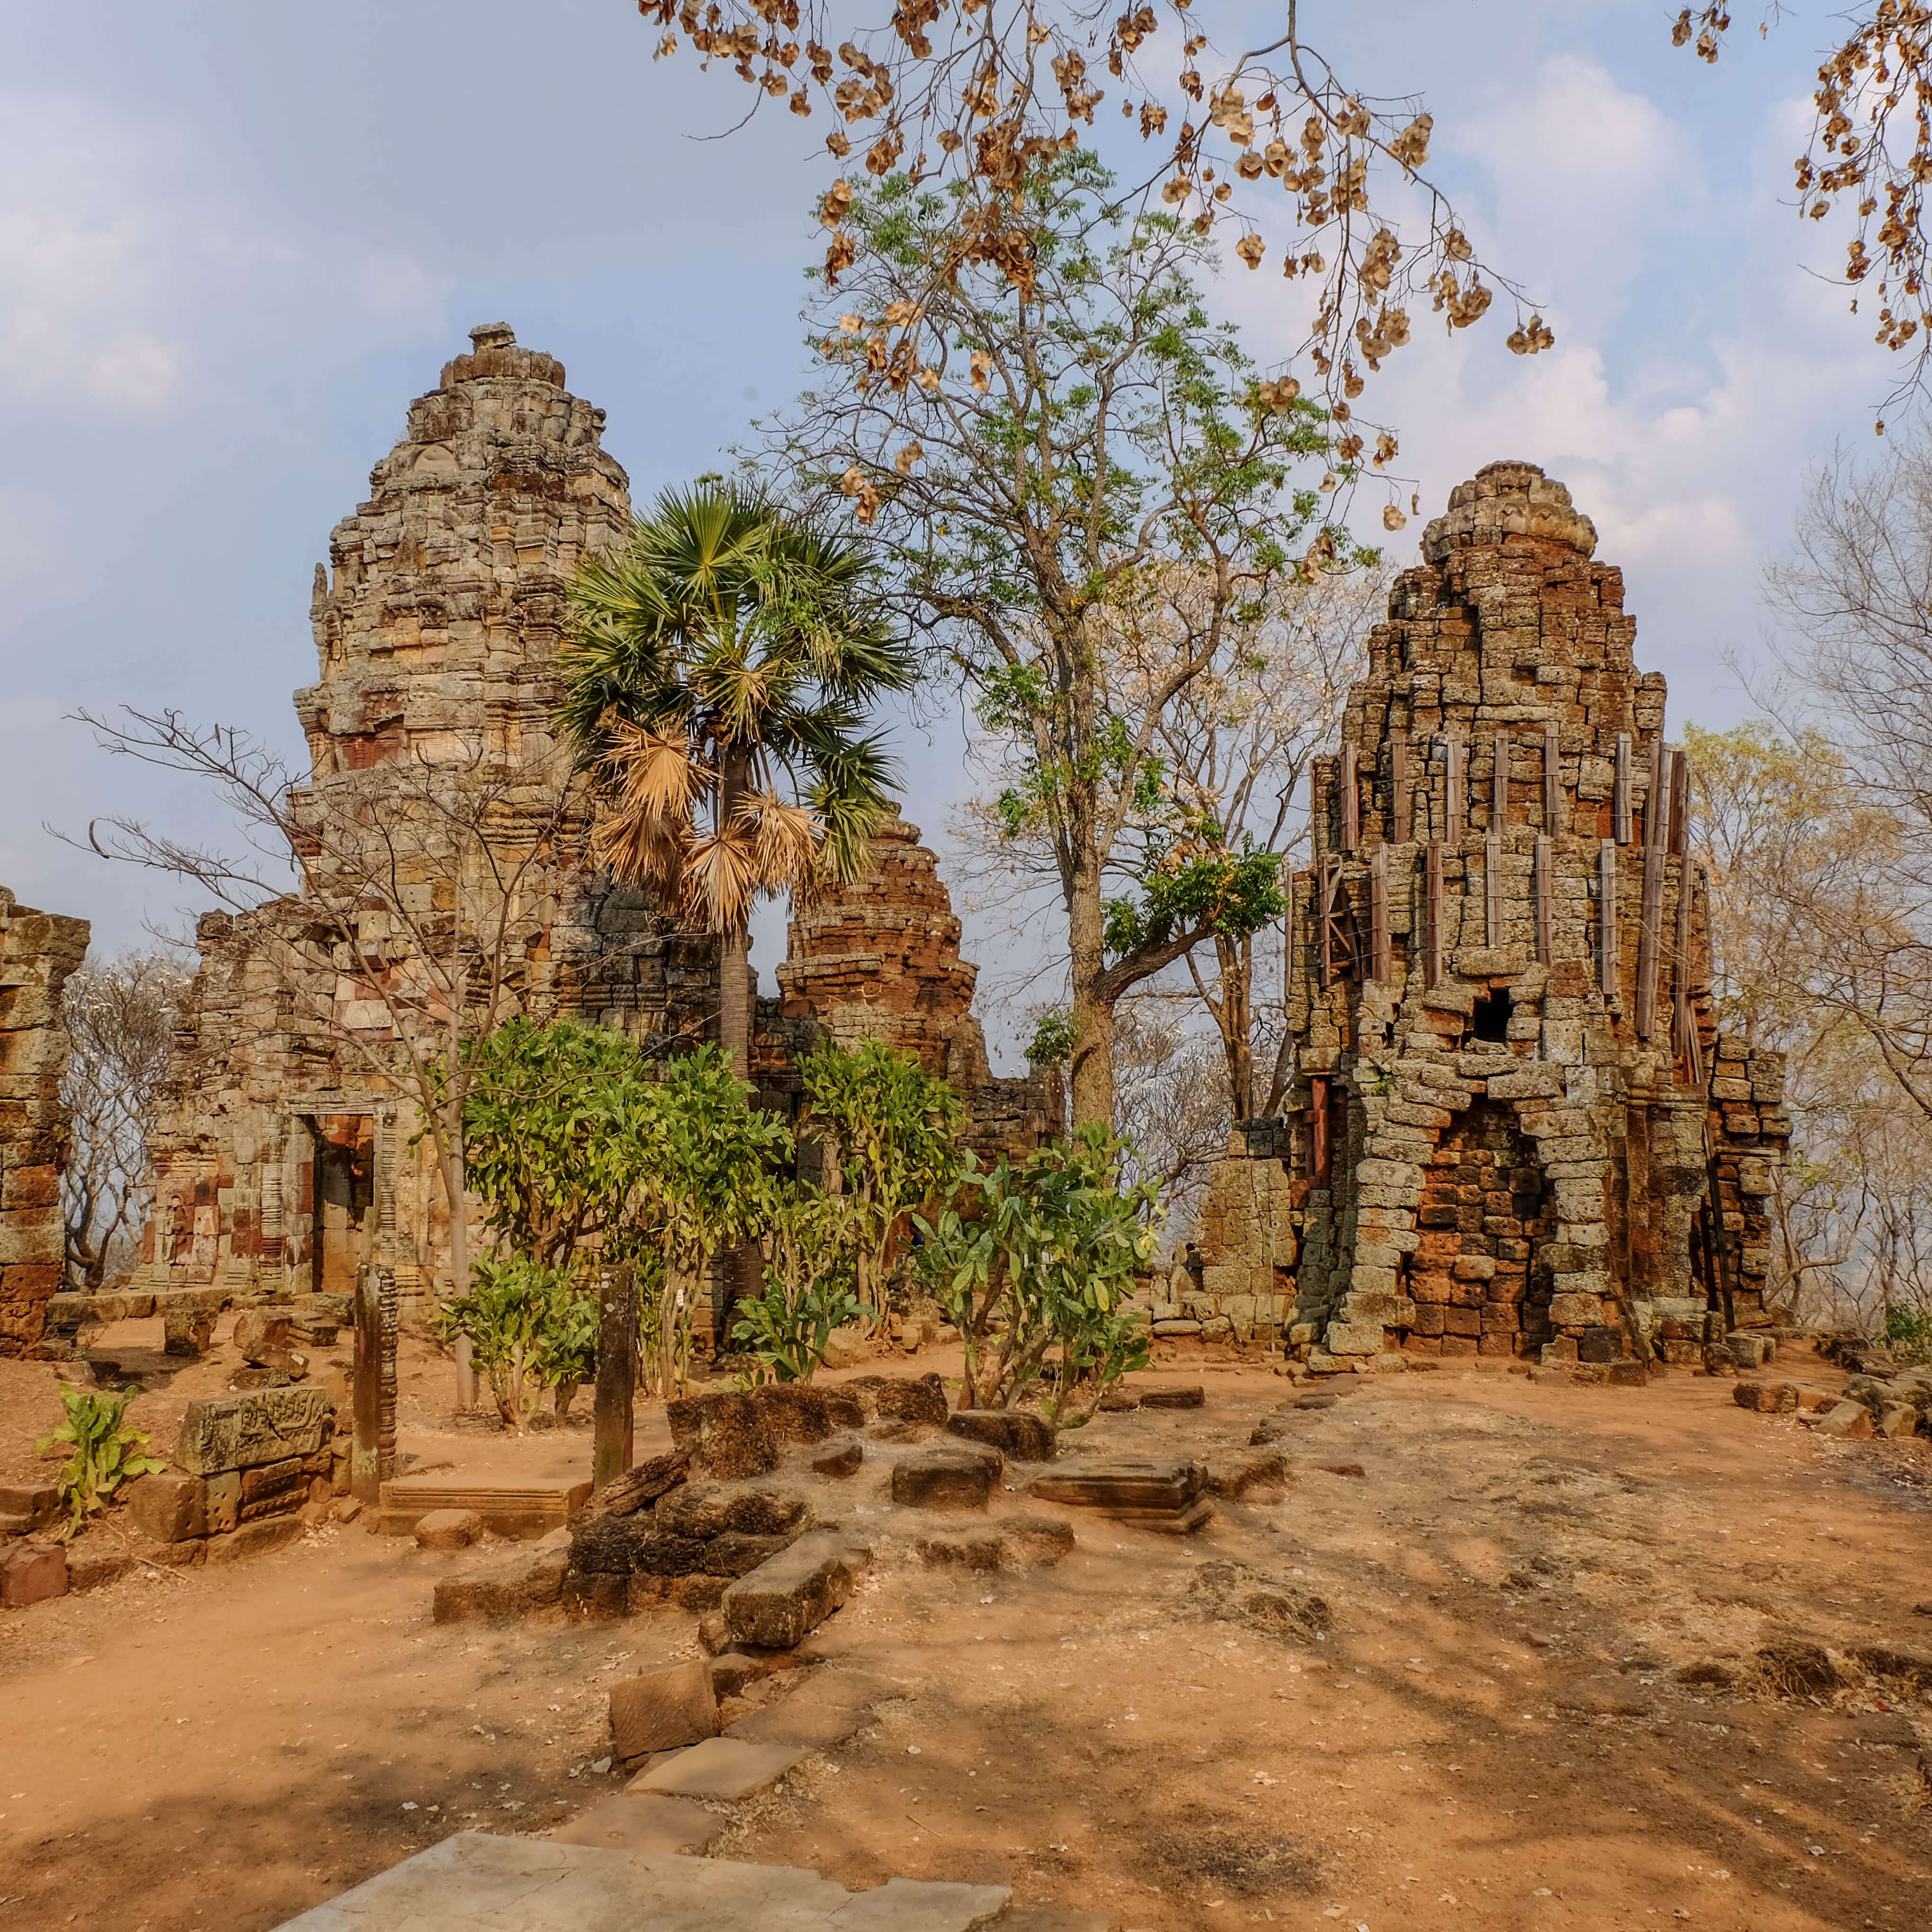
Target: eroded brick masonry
(1516, 1129)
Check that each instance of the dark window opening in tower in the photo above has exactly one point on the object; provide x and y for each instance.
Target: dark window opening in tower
(1491, 1019)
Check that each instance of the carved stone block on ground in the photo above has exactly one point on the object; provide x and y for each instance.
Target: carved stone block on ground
(725, 1431)
(662, 1710)
(1018, 1543)
(30, 1573)
(792, 1593)
(702, 1511)
(447, 1529)
(238, 1432)
(842, 1456)
(501, 1591)
(951, 1476)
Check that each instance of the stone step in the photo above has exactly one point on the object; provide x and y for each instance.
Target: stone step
(540, 1884)
(509, 1505)
(1123, 1482)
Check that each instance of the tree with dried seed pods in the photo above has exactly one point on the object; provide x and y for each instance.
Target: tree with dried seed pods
(1098, 457)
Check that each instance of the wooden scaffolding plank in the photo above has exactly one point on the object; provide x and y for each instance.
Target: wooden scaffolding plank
(1656, 847)
(1352, 800)
(1686, 1048)
(1607, 918)
(1454, 790)
(1432, 894)
(1499, 781)
(1621, 807)
(1492, 890)
(1552, 781)
(1379, 959)
(1318, 1130)
(1680, 804)
(1399, 800)
(1545, 894)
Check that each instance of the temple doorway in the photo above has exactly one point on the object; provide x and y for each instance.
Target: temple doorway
(345, 1198)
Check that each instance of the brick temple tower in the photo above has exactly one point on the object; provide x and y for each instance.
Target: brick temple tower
(1515, 1130)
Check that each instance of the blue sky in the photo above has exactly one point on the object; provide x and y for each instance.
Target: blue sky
(236, 237)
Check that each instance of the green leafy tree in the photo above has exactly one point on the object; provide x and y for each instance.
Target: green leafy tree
(513, 1315)
(702, 1178)
(538, 1151)
(894, 1131)
(717, 686)
(807, 1243)
(1059, 452)
(107, 1452)
(1032, 1261)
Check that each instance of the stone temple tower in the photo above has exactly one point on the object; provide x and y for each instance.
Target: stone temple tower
(1515, 1130)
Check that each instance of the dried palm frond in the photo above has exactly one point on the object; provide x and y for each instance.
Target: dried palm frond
(721, 879)
(787, 836)
(643, 832)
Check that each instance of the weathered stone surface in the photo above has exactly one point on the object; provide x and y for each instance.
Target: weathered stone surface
(259, 1331)
(735, 1554)
(30, 1573)
(238, 1432)
(663, 1710)
(1123, 1482)
(842, 1456)
(1015, 1433)
(449, 1529)
(27, 1507)
(1848, 1420)
(510, 1586)
(832, 1704)
(900, 1398)
(1020, 1543)
(1257, 1476)
(722, 1769)
(703, 1510)
(1171, 1395)
(38, 951)
(649, 1481)
(642, 1822)
(169, 1506)
(725, 1432)
(790, 1594)
(255, 1539)
(952, 1476)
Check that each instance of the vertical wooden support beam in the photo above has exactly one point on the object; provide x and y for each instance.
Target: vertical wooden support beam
(1351, 800)
(1454, 790)
(1684, 1042)
(1499, 782)
(1317, 1125)
(1545, 895)
(1432, 900)
(1492, 890)
(1656, 846)
(1323, 926)
(1620, 810)
(1317, 810)
(1607, 948)
(1399, 801)
(1553, 782)
(617, 1376)
(1680, 804)
(1379, 958)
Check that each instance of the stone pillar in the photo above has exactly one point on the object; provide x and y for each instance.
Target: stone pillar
(38, 952)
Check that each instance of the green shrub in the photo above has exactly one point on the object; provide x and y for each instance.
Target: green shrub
(806, 1246)
(1908, 1331)
(523, 1321)
(106, 1452)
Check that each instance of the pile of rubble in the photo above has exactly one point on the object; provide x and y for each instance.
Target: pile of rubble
(1893, 1404)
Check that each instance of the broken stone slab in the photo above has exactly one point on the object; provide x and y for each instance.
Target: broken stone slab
(169, 1506)
(1766, 1398)
(548, 1884)
(722, 1769)
(1257, 1476)
(447, 1529)
(662, 1710)
(31, 1572)
(1172, 1395)
(900, 1398)
(523, 1507)
(1019, 1543)
(735, 1554)
(526, 1580)
(1016, 1432)
(187, 1331)
(625, 1495)
(701, 1511)
(91, 1565)
(255, 1539)
(725, 1432)
(955, 1475)
(790, 1594)
(1850, 1421)
(642, 1822)
(223, 1432)
(1117, 1483)
(842, 1456)
(27, 1507)
(257, 1331)
(828, 1707)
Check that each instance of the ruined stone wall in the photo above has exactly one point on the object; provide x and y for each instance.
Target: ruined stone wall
(437, 622)
(879, 959)
(1511, 1100)
(38, 952)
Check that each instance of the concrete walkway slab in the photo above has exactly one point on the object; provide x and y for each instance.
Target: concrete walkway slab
(485, 1884)
(723, 1768)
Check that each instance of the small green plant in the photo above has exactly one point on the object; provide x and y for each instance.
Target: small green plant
(106, 1452)
(568, 1358)
(1909, 1332)
(512, 1314)
(807, 1244)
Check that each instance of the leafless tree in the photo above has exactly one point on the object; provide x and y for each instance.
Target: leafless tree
(421, 879)
(1168, 1104)
(120, 1022)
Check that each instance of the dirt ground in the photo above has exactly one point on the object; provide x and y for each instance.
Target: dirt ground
(1476, 1724)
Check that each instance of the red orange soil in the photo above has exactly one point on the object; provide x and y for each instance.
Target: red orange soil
(224, 1747)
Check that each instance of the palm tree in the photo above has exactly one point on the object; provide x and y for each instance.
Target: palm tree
(717, 683)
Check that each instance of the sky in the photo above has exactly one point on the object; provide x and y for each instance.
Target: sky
(237, 237)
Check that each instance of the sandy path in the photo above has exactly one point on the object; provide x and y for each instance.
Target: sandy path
(225, 1747)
